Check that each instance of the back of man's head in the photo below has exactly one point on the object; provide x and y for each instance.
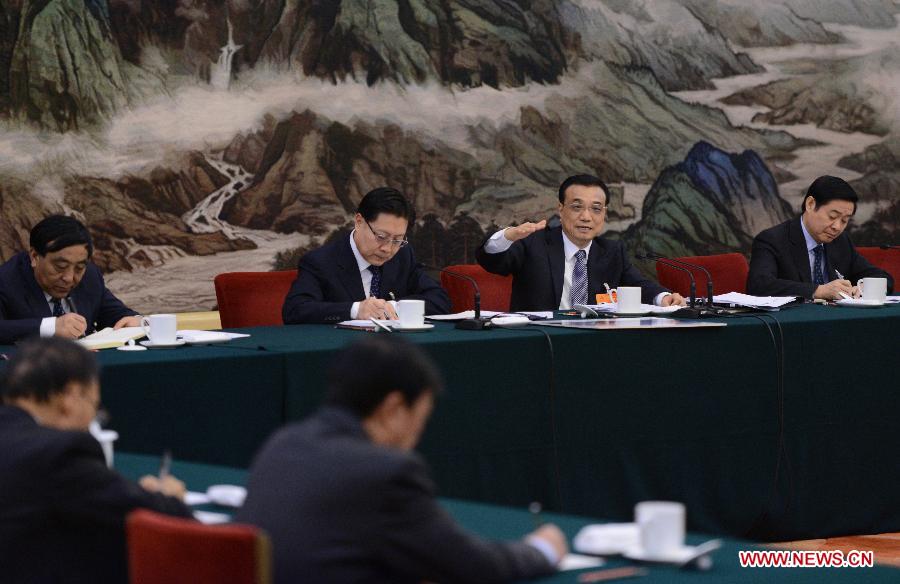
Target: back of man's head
(385, 200)
(829, 188)
(42, 368)
(57, 232)
(363, 374)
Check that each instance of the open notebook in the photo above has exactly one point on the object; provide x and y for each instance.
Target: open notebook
(109, 339)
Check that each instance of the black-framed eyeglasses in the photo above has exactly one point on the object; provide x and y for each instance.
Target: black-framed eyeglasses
(578, 208)
(383, 239)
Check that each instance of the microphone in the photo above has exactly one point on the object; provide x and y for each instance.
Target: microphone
(666, 261)
(709, 282)
(469, 324)
(889, 246)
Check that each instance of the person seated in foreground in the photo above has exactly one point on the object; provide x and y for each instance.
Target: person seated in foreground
(62, 511)
(55, 289)
(811, 256)
(357, 276)
(344, 497)
(559, 267)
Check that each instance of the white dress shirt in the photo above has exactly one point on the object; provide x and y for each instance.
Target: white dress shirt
(364, 274)
(48, 325)
(498, 243)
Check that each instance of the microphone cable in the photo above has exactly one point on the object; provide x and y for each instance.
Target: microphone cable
(781, 448)
(551, 394)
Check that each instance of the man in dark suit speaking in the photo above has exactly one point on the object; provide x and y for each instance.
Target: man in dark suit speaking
(358, 276)
(567, 265)
(345, 500)
(811, 256)
(55, 289)
(62, 511)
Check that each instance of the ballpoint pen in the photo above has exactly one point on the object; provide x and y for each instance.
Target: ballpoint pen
(535, 509)
(843, 294)
(165, 464)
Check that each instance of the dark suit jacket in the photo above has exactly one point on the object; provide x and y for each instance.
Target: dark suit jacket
(538, 264)
(340, 508)
(23, 306)
(329, 283)
(779, 262)
(62, 511)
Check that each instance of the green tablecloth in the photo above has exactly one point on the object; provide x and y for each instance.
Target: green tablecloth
(508, 523)
(620, 416)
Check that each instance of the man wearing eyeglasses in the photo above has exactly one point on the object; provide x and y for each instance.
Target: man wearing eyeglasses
(358, 277)
(556, 268)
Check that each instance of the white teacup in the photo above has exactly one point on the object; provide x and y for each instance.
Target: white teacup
(411, 313)
(160, 328)
(629, 299)
(662, 526)
(874, 289)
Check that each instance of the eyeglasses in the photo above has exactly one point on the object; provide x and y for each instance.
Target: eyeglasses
(383, 239)
(578, 208)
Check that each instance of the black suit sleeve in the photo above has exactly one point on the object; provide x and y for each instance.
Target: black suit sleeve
(305, 302)
(84, 488)
(763, 280)
(421, 287)
(503, 263)
(415, 536)
(13, 330)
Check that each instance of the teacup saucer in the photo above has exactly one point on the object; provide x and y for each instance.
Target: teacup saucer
(412, 329)
(860, 303)
(677, 555)
(152, 345)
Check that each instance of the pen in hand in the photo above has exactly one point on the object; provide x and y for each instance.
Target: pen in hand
(844, 295)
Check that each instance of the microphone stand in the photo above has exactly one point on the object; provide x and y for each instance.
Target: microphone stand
(709, 281)
(692, 311)
(469, 324)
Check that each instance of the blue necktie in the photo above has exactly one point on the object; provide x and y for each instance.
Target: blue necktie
(375, 286)
(818, 271)
(57, 308)
(578, 293)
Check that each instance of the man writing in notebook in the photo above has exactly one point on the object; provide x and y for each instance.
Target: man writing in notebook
(811, 256)
(54, 289)
(356, 277)
(556, 268)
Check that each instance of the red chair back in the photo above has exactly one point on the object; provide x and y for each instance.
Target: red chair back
(728, 271)
(252, 298)
(171, 550)
(886, 259)
(495, 290)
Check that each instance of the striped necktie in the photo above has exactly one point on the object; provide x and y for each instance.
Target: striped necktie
(578, 294)
(818, 265)
(58, 308)
(375, 285)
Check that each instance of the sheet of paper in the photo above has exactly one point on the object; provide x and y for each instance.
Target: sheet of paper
(749, 301)
(579, 562)
(211, 518)
(192, 336)
(367, 324)
(461, 315)
(195, 498)
(488, 314)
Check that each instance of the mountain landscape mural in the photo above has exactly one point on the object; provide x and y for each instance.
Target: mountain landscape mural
(196, 137)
